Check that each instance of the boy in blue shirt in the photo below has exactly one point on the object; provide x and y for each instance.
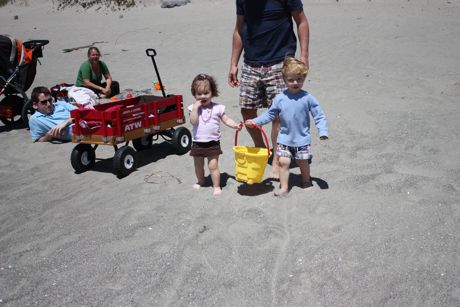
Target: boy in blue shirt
(293, 107)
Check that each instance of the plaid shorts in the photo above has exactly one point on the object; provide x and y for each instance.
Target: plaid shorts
(299, 153)
(260, 84)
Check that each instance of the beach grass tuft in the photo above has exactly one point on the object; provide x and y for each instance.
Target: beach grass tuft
(4, 2)
(85, 4)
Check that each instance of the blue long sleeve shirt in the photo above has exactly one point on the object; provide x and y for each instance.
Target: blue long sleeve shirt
(294, 111)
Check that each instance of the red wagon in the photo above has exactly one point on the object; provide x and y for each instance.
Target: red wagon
(138, 119)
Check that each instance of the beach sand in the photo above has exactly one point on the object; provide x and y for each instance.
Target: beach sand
(380, 227)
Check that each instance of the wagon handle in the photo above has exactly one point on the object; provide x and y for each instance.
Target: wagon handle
(152, 53)
(263, 134)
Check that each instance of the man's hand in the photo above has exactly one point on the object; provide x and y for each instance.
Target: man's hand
(59, 130)
(233, 77)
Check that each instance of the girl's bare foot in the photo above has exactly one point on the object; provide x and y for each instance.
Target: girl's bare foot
(281, 193)
(197, 185)
(217, 191)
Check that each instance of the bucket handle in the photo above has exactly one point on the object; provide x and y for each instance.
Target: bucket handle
(263, 134)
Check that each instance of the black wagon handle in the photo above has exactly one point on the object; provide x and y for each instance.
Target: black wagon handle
(152, 53)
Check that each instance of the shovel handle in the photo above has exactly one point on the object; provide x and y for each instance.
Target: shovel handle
(152, 53)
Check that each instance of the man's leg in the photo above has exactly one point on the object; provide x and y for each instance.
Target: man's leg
(274, 173)
(274, 84)
(305, 173)
(253, 132)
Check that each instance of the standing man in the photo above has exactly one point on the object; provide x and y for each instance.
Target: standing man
(264, 30)
(50, 120)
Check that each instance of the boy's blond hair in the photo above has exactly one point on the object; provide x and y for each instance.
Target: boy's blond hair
(293, 66)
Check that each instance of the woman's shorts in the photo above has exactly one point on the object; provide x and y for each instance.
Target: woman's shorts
(206, 149)
(298, 153)
(260, 84)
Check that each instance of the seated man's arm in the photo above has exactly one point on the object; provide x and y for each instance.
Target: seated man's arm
(39, 130)
(60, 129)
(45, 138)
(39, 133)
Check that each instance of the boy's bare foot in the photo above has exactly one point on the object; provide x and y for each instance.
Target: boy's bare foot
(217, 191)
(306, 185)
(281, 193)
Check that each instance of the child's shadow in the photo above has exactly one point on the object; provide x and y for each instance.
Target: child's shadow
(224, 177)
(264, 187)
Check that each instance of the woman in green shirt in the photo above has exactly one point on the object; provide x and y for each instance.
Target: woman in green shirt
(91, 72)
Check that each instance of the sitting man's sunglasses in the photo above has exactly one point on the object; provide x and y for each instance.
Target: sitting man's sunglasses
(50, 100)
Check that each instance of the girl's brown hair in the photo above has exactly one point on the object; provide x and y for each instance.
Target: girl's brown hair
(199, 79)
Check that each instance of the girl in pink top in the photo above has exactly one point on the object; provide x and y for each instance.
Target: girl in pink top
(205, 117)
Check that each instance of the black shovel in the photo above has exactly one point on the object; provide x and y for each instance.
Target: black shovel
(152, 53)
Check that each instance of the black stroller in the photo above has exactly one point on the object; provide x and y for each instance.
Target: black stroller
(18, 66)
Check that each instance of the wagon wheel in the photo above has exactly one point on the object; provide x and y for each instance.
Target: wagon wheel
(142, 143)
(83, 158)
(124, 161)
(27, 111)
(182, 140)
(14, 102)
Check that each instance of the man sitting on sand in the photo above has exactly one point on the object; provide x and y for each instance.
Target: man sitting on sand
(51, 120)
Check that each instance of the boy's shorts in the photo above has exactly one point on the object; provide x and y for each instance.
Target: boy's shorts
(260, 84)
(298, 153)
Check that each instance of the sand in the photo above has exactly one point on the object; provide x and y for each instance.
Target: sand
(380, 227)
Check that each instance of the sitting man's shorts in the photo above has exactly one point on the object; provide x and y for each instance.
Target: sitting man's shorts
(298, 153)
(260, 84)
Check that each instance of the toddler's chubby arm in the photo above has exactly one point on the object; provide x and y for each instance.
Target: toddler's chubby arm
(194, 117)
(231, 123)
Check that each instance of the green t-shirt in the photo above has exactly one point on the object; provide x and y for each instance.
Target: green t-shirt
(85, 72)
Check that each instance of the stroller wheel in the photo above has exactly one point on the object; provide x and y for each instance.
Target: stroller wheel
(10, 110)
(26, 113)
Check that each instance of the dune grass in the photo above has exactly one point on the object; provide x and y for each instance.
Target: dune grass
(4, 2)
(61, 4)
(92, 3)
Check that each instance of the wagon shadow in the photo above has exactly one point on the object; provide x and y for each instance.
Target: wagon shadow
(155, 153)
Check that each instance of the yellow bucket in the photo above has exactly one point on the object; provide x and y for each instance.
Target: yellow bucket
(250, 161)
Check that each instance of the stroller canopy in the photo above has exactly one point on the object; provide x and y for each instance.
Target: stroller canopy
(13, 54)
